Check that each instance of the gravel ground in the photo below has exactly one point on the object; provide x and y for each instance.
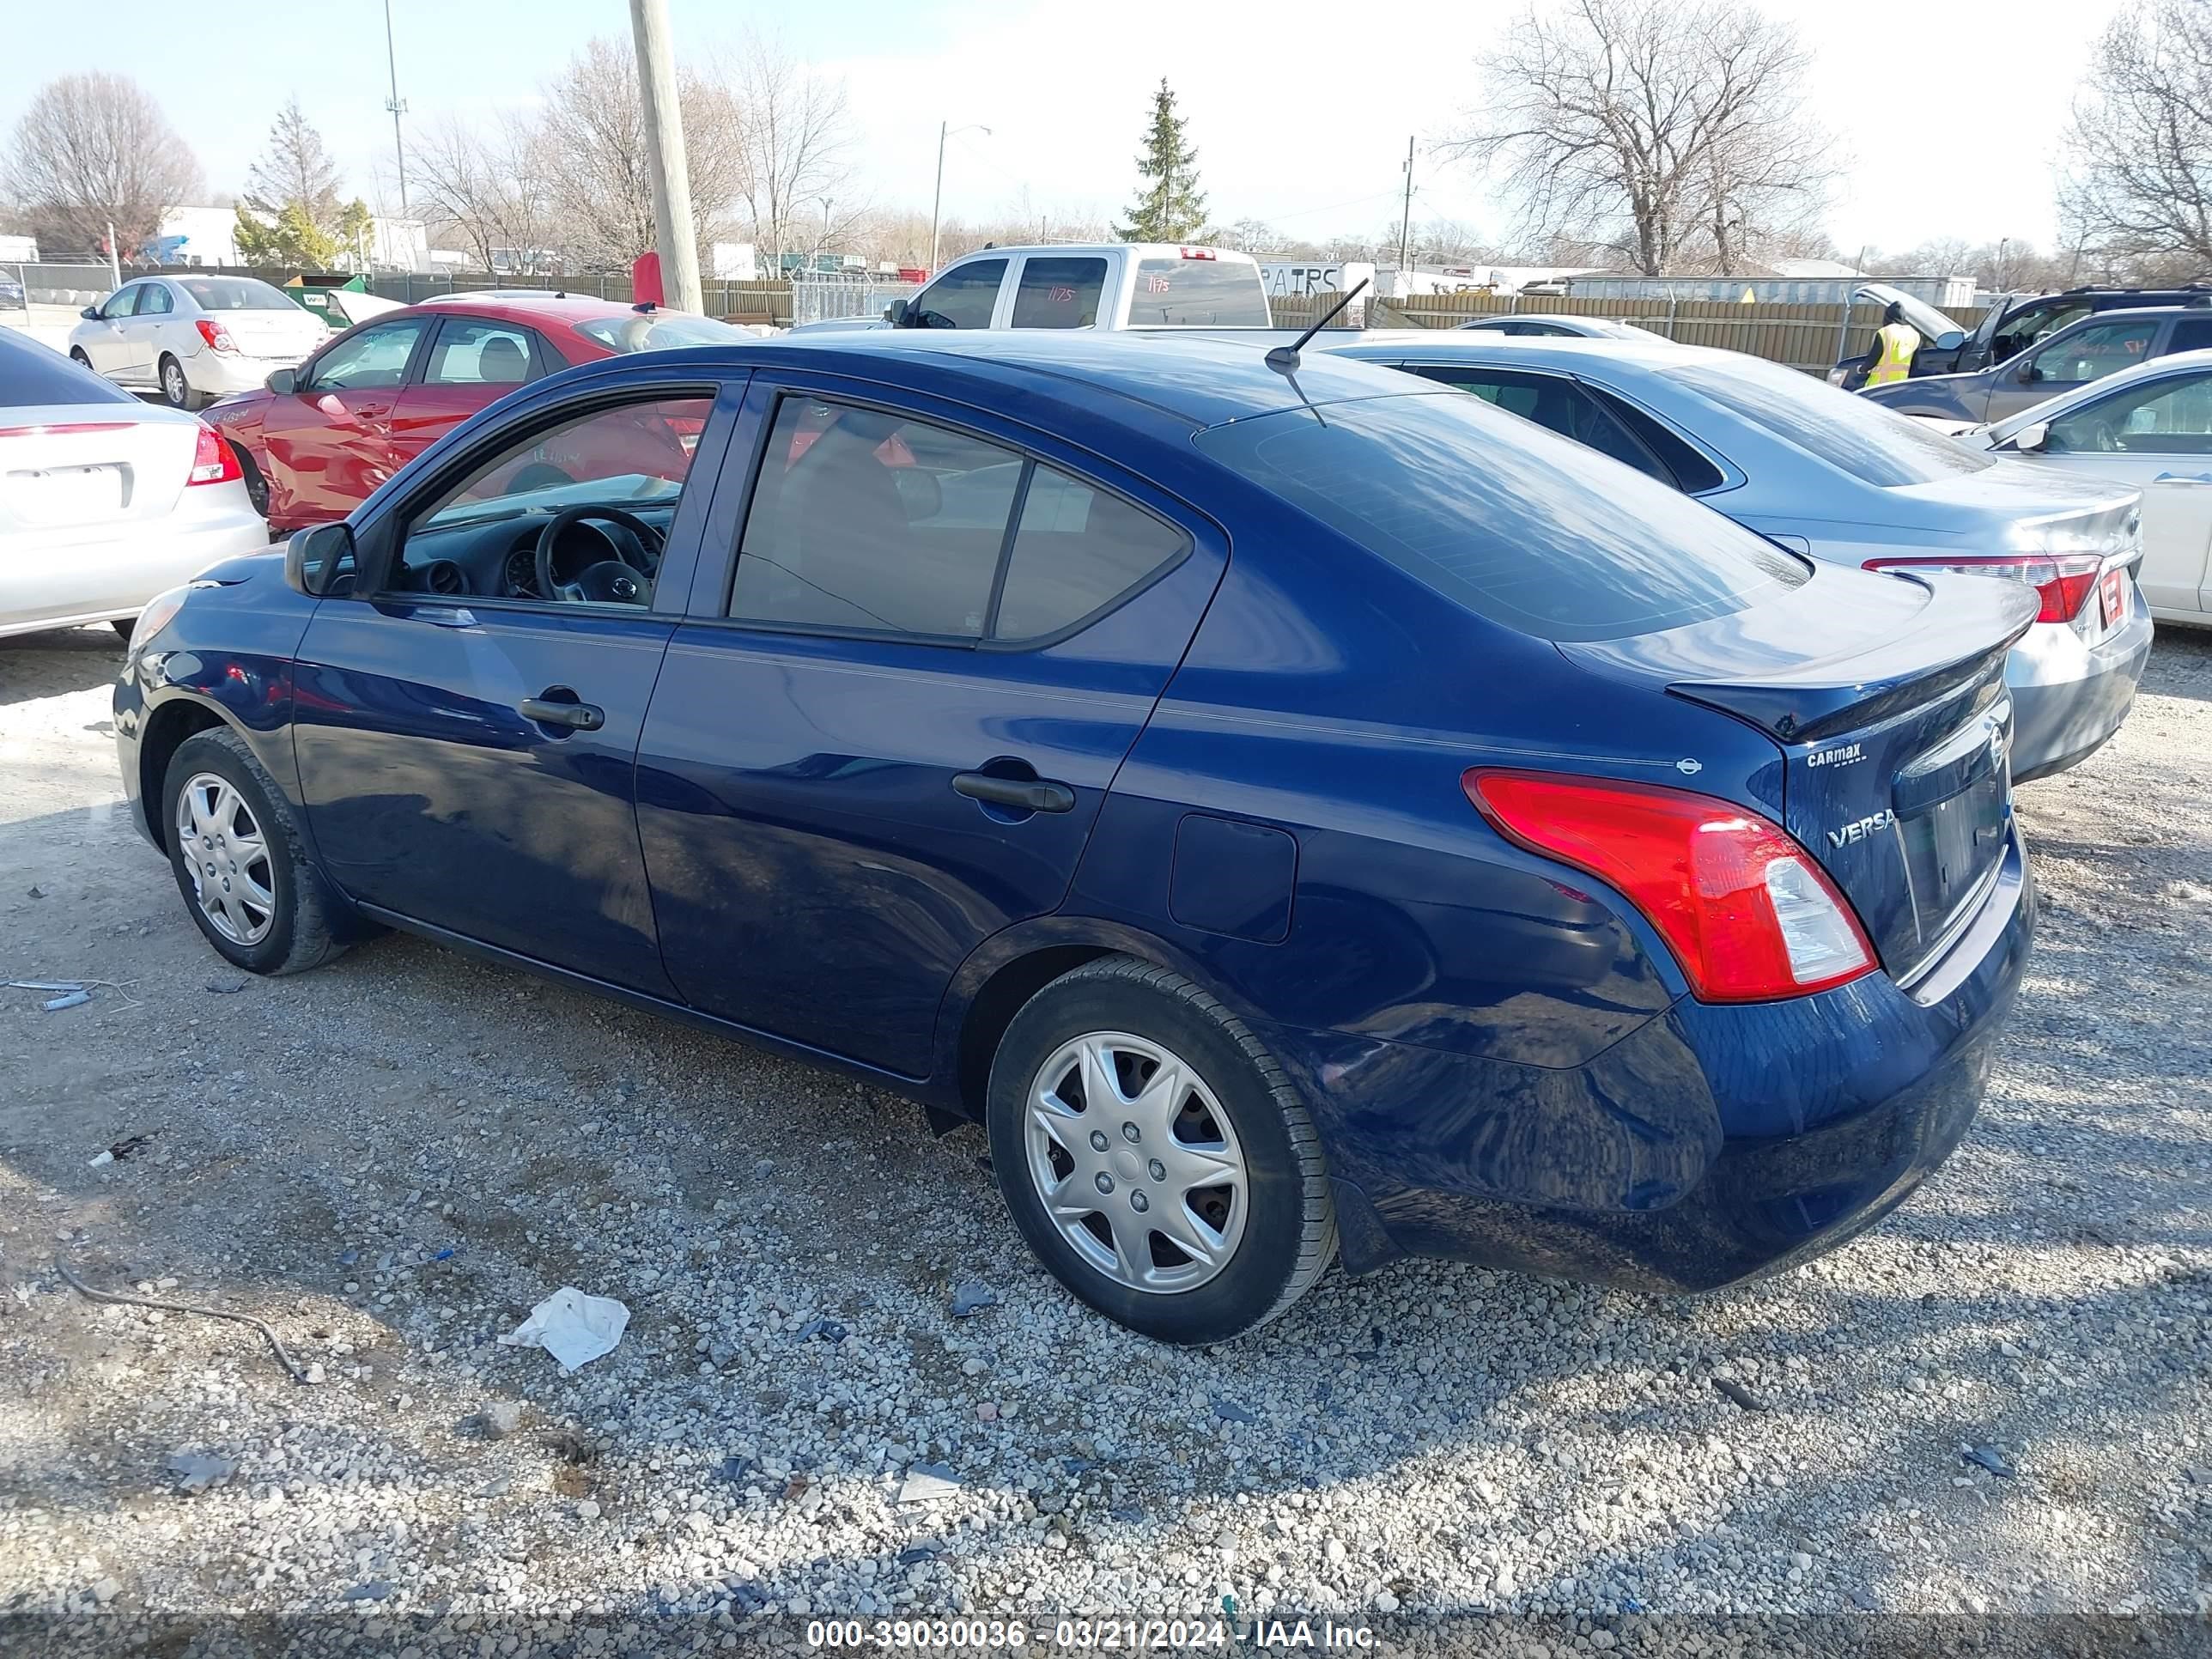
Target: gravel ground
(391, 1160)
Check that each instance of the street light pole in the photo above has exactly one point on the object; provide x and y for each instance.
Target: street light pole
(663, 149)
(397, 105)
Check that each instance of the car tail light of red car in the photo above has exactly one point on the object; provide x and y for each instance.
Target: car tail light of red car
(1747, 913)
(2062, 580)
(214, 461)
(216, 336)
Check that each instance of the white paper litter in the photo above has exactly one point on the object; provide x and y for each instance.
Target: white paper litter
(575, 1329)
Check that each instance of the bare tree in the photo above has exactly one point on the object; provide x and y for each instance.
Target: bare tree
(1666, 132)
(592, 135)
(482, 190)
(798, 138)
(2139, 189)
(295, 171)
(93, 150)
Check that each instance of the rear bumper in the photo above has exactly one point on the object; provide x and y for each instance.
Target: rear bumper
(222, 372)
(1711, 1145)
(89, 580)
(2068, 698)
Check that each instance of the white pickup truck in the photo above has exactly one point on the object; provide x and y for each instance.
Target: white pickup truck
(1106, 286)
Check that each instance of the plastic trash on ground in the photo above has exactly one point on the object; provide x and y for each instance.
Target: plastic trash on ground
(575, 1329)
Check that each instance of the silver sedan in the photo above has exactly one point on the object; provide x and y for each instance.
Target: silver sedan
(1836, 476)
(105, 502)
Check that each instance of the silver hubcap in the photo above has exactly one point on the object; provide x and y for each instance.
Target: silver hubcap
(229, 858)
(173, 380)
(1136, 1162)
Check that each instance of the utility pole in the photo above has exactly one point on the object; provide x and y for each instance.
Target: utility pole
(114, 261)
(936, 202)
(397, 105)
(1406, 221)
(664, 147)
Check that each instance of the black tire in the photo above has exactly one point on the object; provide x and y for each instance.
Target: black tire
(77, 356)
(123, 625)
(306, 929)
(191, 399)
(1290, 1228)
(256, 486)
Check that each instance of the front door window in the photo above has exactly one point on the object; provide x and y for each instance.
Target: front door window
(963, 297)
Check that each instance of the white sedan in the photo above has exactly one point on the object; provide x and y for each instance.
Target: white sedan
(192, 339)
(2149, 426)
(105, 502)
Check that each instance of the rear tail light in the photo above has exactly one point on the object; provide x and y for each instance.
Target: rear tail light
(213, 461)
(216, 336)
(1748, 914)
(2062, 580)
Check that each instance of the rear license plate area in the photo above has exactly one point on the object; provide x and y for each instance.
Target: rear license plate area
(66, 495)
(2113, 599)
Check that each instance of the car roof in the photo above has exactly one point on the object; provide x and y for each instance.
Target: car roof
(1445, 345)
(1203, 381)
(514, 306)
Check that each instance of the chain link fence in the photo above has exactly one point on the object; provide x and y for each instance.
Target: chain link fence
(822, 296)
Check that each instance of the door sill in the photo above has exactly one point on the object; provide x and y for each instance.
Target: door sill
(914, 1088)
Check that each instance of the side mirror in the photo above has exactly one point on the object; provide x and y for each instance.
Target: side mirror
(2032, 437)
(315, 558)
(895, 313)
(2029, 374)
(282, 381)
(90, 313)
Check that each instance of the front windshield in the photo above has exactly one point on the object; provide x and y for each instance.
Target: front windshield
(658, 330)
(1874, 445)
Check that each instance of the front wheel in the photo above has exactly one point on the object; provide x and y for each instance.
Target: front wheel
(77, 356)
(240, 862)
(1155, 1156)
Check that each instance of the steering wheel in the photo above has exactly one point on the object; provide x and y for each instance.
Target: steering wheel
(2108, 438)
(610, 581)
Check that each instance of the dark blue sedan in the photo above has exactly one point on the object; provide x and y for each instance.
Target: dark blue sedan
(1297, 810)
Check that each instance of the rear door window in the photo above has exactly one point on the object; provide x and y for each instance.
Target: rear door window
(1557, 403)
(2190, 334)
(1059, 293)
(2095, 351)
(963, 297)
(1498, 515)
(470, 352)
(1199, 293)
(1076, 550)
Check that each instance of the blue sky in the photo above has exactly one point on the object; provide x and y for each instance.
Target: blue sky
(1301, 111)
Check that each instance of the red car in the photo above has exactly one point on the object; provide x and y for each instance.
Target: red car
(317, 439)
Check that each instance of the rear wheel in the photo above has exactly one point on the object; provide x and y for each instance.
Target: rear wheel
(1155, 1156)
(176, 391)
(239, 860)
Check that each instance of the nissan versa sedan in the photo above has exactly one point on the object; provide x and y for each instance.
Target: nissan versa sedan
(1298, 811)
(1831, 475)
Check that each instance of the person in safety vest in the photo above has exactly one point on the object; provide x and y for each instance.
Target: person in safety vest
(1894, 342)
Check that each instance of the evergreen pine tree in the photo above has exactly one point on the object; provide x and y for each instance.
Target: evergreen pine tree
(1169, 206)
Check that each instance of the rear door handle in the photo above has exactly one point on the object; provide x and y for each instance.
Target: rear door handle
(577, 716)
(1023, 794)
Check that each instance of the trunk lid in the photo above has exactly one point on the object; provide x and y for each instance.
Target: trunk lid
(71, 467)
(1894, 730)
(290, 333)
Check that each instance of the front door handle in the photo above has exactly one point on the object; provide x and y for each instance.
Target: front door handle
(1023, 794)
(556, 711)
(2184, 478)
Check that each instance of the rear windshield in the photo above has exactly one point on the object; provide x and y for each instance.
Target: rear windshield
(35, 376)
(1526, 528)
(642, 332)
(235, 293)
(1206, 293)
(1874, 445)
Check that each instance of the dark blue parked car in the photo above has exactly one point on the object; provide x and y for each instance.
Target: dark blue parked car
(1296, 810)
